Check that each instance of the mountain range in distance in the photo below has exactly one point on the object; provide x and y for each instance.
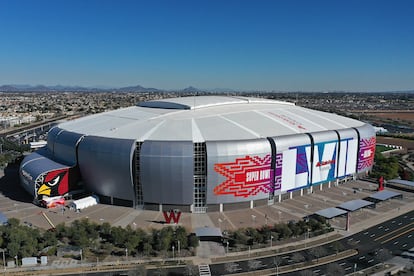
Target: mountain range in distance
(63, 88)
(141, 89)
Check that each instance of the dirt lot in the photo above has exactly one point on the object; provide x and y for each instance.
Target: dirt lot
(408, 144)
(394, 115)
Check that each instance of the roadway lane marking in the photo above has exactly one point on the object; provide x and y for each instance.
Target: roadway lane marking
(316, 270)
(393, 221)
(362, 257)
(395, 243)
(404, 245)
(348, 268)
(386, 229)
(373, 235)
(400, 223)
(410, 236)
(342, 264)
(394, 237)
(392, 232)
(366, 233)
(380, 227)
(370, 261)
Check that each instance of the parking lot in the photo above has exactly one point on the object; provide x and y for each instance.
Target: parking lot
(16, 203)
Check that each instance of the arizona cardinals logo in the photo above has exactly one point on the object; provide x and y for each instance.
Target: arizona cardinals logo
(55, 183)
(245, 177)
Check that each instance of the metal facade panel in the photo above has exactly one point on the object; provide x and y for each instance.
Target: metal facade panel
(106, 166)
(293, 165)
(65, 147)
(33, 166)
(325, 153)
(238, 171)
(51, 137)
(367, 143)
(348, 152)
(167, 172)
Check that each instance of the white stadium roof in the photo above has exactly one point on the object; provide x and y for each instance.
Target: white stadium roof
(208, 118)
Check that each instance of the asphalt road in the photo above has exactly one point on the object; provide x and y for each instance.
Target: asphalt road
(375, 245)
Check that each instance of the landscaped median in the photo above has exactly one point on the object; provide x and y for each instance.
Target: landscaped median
(303, 265)
(287, 248)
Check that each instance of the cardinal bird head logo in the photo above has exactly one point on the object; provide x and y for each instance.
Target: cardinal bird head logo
(55, 183)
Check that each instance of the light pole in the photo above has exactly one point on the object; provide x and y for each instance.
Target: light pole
(126, 253)
(81, 254)
(4, 259)
(173, 247)
(276, 266)
(271, 239)
(179, 247)
(227, 247)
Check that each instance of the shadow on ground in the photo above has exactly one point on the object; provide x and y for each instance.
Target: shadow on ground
(10, 185)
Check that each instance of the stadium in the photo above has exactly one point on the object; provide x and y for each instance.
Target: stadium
(199, 154)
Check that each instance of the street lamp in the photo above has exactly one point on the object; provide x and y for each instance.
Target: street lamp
(276, 265)
(80, 251)
(173, 247)
(126, 253)
(306, 236)
(179, 247)
(227, 247)
(4, 259)
(271, 239)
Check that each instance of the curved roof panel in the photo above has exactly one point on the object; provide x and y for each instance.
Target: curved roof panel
(207, 118)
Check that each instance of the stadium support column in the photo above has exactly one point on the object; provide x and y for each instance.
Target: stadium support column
(139, 200)
(301, 192)
(200, 177)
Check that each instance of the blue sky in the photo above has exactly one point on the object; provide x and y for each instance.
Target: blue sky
(361, 45)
